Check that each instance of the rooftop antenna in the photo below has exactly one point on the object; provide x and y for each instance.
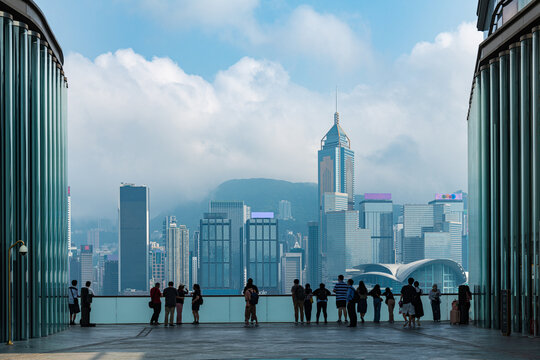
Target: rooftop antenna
(336, 114)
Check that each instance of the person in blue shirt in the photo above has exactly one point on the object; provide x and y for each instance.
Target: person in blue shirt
(350, 303)
(340, 289)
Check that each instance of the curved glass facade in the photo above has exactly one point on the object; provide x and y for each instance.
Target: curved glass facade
(504, 183)
(33, 194)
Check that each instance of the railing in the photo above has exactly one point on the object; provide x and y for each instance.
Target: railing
(230, 309)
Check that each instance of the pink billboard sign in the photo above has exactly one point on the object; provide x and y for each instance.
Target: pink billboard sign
(377, 196)
(449, 196)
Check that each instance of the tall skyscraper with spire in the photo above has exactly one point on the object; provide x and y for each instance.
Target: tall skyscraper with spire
(335, 178)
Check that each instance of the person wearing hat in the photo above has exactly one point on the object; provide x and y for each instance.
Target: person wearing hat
(180, 294)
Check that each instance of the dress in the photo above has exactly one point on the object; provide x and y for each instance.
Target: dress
(417, 303)
(362, 304)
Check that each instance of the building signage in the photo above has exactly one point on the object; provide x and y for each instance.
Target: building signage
(377, 196)
(458, 196)
(262, 215)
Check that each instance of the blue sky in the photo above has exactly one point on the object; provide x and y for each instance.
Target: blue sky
(183, 95)
(392, 28)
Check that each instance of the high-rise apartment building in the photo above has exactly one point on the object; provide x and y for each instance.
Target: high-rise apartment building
(157, 261)
(215, 245)
(133, 237)
(86, 267)
(348, 245)
(504, 167)
(177, 250)
(262, 253)
(237, 212)
(376, 214)
(33, 172)
(291, 268)
(417, 219)
(285, 211)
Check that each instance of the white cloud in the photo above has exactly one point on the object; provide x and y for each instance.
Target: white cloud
(147, 121)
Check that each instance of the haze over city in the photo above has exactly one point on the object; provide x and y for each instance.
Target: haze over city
(183, 96)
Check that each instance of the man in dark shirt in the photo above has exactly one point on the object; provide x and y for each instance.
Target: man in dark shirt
(155, 300)
(408, 292)
(170, 294)
(86, 301)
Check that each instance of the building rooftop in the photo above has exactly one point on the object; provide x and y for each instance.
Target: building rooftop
(273, 341)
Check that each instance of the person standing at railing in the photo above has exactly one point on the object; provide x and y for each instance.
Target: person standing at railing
(340, 289)
(352, 299)
(308, 302)
(86, 302)
(406, 307)
(73, 302)
(464, 303)
(196, 302)
(390, 302)
(435, 299)
(417, 302)
(251, 295)
(170, 303)
(298, 297)
(322, 294)
(377, 300)
(362, 300)
(180, 295)
(155, 301)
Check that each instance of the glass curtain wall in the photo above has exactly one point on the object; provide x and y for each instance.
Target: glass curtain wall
(33, 194)
(504, 185)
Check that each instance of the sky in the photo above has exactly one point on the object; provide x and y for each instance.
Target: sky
(183, 95)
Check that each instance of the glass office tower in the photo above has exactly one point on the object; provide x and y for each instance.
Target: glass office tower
(262, 254)
(133, 238)
(215, 239)
(504, 167)
(376, 214)
(33, 193)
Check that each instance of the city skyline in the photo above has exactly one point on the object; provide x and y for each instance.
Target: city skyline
(252, 107)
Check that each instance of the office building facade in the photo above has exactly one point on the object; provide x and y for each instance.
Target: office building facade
(504, 166)
(110, 277)
(133, 237)
(291, 269)
(157, 262)
(215, 274)
(417, 219)
(238, 213)
(376, 214)
(349, 245)
(262, 253)
(314, 269)
(285, 210)
(33, 193)
(86, 268)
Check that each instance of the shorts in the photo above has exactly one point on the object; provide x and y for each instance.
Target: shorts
(341, 303)
(74, 309)
(195, 307)
(407, 309)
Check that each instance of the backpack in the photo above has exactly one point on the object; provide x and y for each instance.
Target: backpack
(254, 298)
(299, 293)
(356, 297)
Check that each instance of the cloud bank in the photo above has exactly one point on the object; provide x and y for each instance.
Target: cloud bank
(141, 120)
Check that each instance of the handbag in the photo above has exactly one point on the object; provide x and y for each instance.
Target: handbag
(150, 304)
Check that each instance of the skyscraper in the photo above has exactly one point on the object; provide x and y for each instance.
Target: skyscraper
(133, 237)
(237, 212)
(291, 268)
(69, 220)
(314, 269)
(376, 214)
(348, 244)
(177, 249)
(157, 262)
(215, 275)
(448, 212)
(110, 277)
(437, 245)
(262, 255)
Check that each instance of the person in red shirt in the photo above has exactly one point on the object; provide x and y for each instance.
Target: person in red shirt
(155, 297)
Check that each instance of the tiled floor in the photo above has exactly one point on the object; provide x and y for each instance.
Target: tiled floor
(276, 341)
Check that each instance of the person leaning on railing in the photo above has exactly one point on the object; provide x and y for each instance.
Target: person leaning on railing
(435, 299)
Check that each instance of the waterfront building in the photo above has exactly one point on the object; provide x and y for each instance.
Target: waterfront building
(449, 213)
(110, 276)
(33, 172)
(133, 237)
(504, 166)
(262, 257)
(215, 264)
(238, 213)
(376, 214)
(313, 267)
(398, 242)
(447, 274)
